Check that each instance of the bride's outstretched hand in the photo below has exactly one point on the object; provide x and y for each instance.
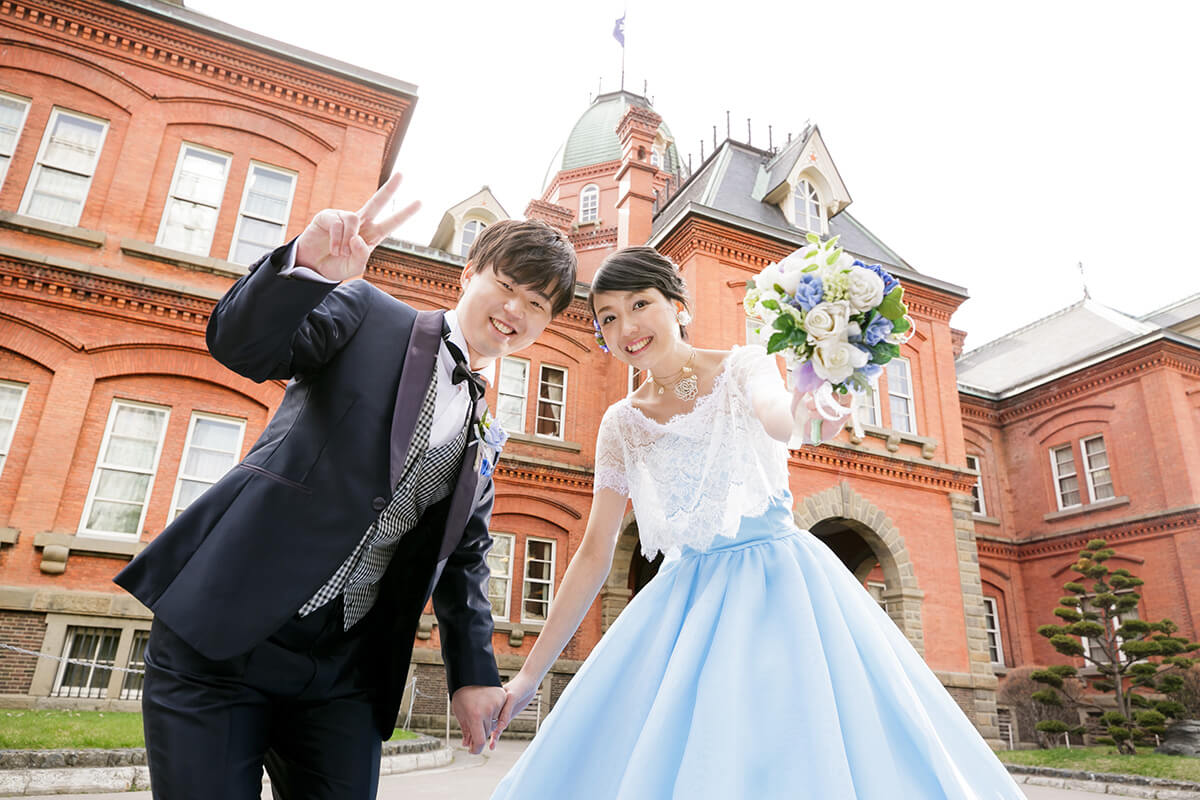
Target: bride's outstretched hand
(518, 694)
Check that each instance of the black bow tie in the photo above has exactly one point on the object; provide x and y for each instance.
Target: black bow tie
(462, 370)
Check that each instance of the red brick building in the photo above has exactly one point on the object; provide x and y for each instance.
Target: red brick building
(1083, 425)
(149, 152)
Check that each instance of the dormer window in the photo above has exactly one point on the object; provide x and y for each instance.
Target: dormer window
(807, 206)
(470, 233)
(589, 203)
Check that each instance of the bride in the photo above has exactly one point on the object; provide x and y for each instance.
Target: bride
(753, 665)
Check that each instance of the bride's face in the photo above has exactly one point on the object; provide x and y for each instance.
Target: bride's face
(639, 327)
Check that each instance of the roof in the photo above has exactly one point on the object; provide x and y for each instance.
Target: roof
(727, 182)
(185, 16)
(1175, 313)
(1038, 351)
(594, 140)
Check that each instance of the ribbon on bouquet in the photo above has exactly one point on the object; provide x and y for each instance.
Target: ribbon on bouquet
(820, 413)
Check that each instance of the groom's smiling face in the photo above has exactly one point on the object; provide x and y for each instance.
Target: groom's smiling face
(499, 316)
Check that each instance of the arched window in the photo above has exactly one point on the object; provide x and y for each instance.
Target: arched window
(589, 203)
(808, 207)
(470, 233)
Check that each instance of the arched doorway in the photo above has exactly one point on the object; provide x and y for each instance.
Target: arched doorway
(871, 547)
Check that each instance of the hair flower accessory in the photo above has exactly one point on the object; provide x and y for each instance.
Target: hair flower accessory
(492, 434)
(835, 320)
(599, 336)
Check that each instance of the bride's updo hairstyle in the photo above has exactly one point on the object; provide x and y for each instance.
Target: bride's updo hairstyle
(634, 269)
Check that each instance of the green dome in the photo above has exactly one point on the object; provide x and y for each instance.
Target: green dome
(594, 140)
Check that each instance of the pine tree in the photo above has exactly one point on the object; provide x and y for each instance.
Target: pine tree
(1126, 647)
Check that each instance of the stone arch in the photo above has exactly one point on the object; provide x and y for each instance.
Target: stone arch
(903, 595)
(616, 594)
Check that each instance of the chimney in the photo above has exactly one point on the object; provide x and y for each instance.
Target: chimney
(635, 176)
(557, 217)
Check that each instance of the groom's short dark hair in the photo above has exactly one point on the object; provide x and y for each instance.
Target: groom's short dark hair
(531, 253)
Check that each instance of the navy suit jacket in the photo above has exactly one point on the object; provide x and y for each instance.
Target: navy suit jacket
(243, 557)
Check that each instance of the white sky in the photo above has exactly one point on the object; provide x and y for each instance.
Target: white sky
(991, 145)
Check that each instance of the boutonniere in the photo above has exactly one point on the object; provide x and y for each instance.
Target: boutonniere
(492, 434)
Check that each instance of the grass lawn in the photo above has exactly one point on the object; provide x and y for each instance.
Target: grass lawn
(1105, 759)
(24, 729)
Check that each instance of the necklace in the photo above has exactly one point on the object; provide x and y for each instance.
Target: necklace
(686, 384)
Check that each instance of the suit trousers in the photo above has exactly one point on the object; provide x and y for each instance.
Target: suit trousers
(297, 703)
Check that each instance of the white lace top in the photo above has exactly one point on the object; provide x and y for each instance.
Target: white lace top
(693, 478)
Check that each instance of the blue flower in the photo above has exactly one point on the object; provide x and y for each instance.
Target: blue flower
(879, 328)
(870, 371)
(889, 282)
(810, 292)
(486, 467)
(492, 432)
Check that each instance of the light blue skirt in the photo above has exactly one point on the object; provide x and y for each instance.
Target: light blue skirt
(757, 669)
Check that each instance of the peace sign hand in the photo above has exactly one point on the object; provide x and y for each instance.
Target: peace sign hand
(337, 243)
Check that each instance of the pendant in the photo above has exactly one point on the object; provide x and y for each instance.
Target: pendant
(687, 388)
(660, 390)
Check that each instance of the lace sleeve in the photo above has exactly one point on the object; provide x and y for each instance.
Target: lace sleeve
(610, 456)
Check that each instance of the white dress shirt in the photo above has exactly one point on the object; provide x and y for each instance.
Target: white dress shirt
(453, 401)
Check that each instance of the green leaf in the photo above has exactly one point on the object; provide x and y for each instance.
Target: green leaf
(812, 237)
(771, 304)
(777, 342)
(811, 268)
(893, 306)
(901, 325)
(784, 322)
(883, 352)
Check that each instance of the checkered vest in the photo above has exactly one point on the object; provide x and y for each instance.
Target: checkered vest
(426, 478)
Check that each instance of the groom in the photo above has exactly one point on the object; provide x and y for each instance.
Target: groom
(286, 598)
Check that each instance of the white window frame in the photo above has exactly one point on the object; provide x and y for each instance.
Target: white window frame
(806, 202)
(174, 511)
(526, 580)
(162, 225)
(39, 166)
(100, 466)
(28, 103)
(464, 247)
(1088, 469)
(72, 632)
(1058, 478)
(589, 204)
(871, 587)
(135, 661)
(506, 577)
(242, 214)
(977, 465)
(537, 417)
(911, 398)
(1118, 621)
(524, 397)
(6, 446)
(991, 609)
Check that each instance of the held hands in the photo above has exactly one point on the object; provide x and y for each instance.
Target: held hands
(336, 243)
(518, 693)
(476, 709)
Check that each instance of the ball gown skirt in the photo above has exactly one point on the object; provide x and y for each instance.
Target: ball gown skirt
(756, 669)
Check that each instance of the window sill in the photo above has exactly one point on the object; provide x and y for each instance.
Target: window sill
(545, 441)
(986, 520)
(8, 535)
(517, 631)
(179, 258)
(595, 223)
(52, 230)
(893, 439)
(1112, 502)
(57, 548)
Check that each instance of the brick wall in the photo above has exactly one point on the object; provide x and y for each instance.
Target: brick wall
(25, 631)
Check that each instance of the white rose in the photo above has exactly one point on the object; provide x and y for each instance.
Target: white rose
(836, 361)
(790, 281)
(827, 320)
(865, 289)
(767, 279)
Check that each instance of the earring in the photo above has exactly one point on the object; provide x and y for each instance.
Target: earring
(599, 336)
(683, 317)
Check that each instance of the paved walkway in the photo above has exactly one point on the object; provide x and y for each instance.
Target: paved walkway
(473, 778)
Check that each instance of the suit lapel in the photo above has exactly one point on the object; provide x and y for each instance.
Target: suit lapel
(462, 502)
(423, 347)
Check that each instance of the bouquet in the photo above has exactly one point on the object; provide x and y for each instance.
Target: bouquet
(836, 321)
